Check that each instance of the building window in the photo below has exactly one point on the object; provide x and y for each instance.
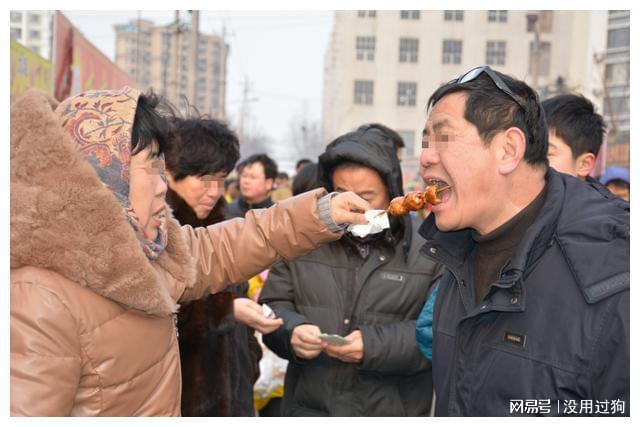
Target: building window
(617, 72)
(451, 51)
(616, 106)
(365, 13)
(618, 17)
(16, 33)
(543, 59)
(407, 94)
(408, 50)
(408, 137)
(618, 37)
(497, 15)
(363, 92)
(365, 48)
(36, 49)
(16, 17)
(496, 52)
(34, 34)
(410, 14)
(453, 15)
(34, 19)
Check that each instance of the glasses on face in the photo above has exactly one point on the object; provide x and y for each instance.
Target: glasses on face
(497, 80)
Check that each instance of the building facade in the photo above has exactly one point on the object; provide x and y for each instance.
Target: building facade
(616, 88)
(158, 57)
(32, 28)
(382, 66)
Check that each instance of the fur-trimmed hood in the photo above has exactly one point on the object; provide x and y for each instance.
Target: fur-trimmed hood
(63, 218)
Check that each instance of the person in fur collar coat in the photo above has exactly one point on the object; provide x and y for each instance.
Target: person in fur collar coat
(219, 355)
(99, 265)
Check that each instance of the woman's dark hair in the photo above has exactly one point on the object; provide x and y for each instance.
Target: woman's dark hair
(307, 179)
(201, 146)
(150, 127)
(491, 111)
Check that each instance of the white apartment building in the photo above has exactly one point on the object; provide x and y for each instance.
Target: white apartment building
(32, 28)
(157, 56)
(617, 91)
(382, 66)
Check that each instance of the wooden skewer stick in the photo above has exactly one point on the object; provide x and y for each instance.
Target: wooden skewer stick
(443, 188)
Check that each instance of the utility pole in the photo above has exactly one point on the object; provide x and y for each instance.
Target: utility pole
(138, 50)
(176, 56)
(244, 111)
(533, 19)
(221, 78)
(193, 60)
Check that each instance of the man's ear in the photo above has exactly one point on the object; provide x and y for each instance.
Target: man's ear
(510, 149)
(584, 164)
(270, 183)
(170, 179)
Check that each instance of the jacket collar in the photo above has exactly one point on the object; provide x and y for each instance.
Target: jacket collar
(64, 219)
(573, 213)
(245, 206)
(185, 214)
(453, 248)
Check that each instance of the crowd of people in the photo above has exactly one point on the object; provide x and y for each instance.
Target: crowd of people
(154, 272)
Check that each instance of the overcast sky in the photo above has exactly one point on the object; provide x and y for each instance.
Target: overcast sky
(280, 52)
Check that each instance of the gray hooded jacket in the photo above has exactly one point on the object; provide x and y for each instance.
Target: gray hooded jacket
(337, 290)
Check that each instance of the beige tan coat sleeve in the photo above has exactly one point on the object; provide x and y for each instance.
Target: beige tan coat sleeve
(235, 250)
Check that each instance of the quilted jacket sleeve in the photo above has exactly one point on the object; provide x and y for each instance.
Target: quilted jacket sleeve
(235, 250)
(45, 352)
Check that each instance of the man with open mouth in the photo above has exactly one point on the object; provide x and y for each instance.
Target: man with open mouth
(532, 315)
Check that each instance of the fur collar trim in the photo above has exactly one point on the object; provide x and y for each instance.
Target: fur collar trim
(64, 219)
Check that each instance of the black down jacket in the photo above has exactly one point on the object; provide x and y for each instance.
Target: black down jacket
(552, 335)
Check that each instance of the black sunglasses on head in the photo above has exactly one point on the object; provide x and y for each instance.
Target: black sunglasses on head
(497, 80)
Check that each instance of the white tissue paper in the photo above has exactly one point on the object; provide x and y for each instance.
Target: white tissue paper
(377, 223)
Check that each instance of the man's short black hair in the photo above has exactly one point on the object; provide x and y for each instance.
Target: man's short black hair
(270, 167)
(302, 162)
(283, 175)
(390, 133)
(201, 146)
(491, 111)
(228, 182)
(150, 127)
(573, 118)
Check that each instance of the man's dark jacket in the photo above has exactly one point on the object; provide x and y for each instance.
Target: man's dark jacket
(555, 324)
(239, 207)
(336, 289)
(219, 356)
